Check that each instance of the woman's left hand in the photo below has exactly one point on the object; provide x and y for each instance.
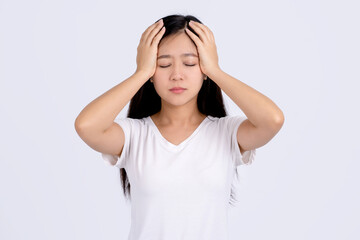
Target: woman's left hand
(206, 47)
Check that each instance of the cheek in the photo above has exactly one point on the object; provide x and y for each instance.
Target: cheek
(196, 69)
(158, 73)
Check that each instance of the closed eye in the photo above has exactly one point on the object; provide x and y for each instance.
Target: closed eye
(189, 65)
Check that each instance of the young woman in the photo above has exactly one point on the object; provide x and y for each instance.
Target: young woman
(177, 148)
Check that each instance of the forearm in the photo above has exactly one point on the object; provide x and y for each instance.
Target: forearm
(258, 108)
(99, 114)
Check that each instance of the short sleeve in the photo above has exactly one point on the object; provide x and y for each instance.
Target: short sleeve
(114, 160)
(233, 123)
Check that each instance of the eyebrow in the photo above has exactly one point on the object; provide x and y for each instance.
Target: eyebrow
(183, 55)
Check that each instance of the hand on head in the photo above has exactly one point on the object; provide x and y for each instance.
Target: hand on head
(206, 47)
(148, 47)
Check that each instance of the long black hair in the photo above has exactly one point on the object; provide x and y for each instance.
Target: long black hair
(147, 102)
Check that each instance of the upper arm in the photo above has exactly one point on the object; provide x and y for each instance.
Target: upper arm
(111, 141)
(251, 137)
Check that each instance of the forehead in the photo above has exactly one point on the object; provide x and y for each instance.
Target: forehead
(176, 45)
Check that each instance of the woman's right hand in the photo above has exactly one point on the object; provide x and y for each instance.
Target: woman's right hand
(148, 47)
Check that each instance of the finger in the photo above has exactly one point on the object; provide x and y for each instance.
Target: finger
(154, 32)
(157, 38)
(198, 30)
(192, 35)
(201, 28)
(210, 34)
(146, 33)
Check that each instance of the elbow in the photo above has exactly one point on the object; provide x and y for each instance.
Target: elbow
(78, 125)
(279, 119)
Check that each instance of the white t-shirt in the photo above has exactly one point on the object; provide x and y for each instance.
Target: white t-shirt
(180, 192)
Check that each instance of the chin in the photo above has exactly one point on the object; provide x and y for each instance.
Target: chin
(179, 100)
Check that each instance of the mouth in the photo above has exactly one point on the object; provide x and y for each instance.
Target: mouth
(177, 89)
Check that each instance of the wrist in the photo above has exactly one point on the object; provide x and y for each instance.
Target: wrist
(214, 73)
(142, 74)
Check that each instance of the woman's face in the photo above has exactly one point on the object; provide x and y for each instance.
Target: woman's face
(178, 66)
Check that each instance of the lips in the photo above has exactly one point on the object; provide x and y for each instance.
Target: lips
(177, 88)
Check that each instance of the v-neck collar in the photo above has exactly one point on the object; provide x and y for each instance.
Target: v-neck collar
(169, 144)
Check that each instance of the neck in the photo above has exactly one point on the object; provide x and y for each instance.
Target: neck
(179, 115)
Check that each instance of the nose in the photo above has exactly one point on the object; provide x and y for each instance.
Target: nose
(176, 73)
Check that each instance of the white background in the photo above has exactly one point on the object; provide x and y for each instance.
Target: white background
(58, 56)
